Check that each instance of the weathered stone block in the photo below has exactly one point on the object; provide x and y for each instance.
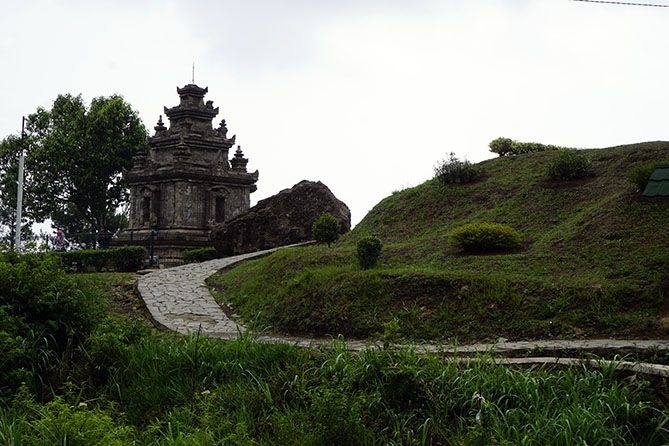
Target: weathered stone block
(282, 219)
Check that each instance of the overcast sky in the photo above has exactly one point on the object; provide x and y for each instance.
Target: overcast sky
(364, 95)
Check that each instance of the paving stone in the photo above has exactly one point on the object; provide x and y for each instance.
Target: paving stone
(179, 300)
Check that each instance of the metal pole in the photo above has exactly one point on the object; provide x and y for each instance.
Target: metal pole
(19, 192)
(152, 236)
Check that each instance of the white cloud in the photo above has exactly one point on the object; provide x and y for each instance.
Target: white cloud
(365, 96)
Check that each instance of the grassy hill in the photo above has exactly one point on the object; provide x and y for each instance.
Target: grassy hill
(595, 262)
(75, 371)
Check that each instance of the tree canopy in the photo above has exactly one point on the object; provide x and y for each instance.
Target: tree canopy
(74, 161)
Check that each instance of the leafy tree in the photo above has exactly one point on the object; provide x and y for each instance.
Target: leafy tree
(326, 229)
(75, 161)
(502, 146)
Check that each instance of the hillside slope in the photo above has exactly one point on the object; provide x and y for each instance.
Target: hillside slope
(596, 222)
(596, 261)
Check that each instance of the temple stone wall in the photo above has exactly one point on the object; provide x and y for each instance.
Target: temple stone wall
(186, 183)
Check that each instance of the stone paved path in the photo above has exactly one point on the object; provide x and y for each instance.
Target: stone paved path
(178, 299)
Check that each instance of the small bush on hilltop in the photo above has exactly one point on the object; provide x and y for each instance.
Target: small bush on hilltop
(570, 165)
(326, 229)
(485, 237)
(452, 170)
(640, 175)
(507, 146)
(502, 146)
(368, 251)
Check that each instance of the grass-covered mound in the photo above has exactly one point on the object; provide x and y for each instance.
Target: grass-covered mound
(594, 260)
(113, 381)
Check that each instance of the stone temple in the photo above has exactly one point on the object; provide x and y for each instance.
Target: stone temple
(186, 182)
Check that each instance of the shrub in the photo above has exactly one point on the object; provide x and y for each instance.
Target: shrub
(43, 316)
(368, 251)
(201, 254)
(326, 229)
(452, 170)
(108, 344)
(485, 237)
(502, 146)
(640, 175)
(75, 424)
(16, 351)
(530, 147)
(125, 258)
(570, 164)
(507, 146)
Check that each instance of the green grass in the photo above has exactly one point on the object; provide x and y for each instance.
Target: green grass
(165, 390)
(594, 261)
(120, 382)
(428, 303)
(102, 283)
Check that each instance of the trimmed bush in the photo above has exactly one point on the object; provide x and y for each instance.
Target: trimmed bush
(326, 229)
(452, 170)
(368, 251)
(502, 146)
(124, 258)
(507, 146)
(485, 237)
(640, 175)
(201, 255)
(570, 165)
(531, 147)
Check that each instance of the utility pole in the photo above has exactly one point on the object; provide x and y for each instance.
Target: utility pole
(19, 189)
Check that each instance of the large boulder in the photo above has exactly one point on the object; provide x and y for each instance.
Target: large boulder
(281, 219)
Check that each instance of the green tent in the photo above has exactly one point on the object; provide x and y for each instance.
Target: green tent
(658, 184)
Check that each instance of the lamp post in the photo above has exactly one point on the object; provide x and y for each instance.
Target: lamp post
(19, 191)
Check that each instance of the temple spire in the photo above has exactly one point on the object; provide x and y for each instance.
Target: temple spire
(160, 126)
(238, 162)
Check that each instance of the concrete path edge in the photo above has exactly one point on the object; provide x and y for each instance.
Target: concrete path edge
(178, 299)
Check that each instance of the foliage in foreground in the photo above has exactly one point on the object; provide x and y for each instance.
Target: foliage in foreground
(125, 384)
(43, 316)
(485, 237)
(244, 392)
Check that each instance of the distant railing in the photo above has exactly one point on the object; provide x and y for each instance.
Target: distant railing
(77, 241)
